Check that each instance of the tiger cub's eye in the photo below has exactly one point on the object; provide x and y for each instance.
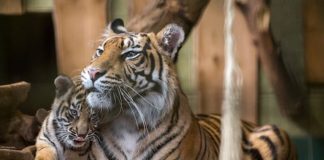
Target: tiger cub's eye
(73, 112)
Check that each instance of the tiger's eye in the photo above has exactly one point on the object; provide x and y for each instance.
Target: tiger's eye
(99, 52)
(131, 55)
(73, 112)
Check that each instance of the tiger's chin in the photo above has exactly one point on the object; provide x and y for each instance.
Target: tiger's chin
(100, 100)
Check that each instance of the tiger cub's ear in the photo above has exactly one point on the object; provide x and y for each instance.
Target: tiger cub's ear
(170, 39)
(63, 85)
(115, 27)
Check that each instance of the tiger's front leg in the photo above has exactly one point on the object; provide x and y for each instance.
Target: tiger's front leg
(45, 151)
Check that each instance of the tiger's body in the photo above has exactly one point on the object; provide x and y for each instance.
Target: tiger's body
(194, 137)
(133, 74)
(68, 132)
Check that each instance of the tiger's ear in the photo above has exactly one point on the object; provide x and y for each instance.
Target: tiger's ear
(63, 85)
(170, 39)
(115, 27)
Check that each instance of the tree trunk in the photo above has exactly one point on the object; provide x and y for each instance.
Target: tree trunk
(78, 25)
(159, 13)
(290, 95)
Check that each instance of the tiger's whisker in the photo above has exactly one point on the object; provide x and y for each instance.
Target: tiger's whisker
(138, 94)
(130, 106)
(138, 110)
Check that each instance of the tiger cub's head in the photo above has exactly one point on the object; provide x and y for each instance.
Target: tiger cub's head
(74, 122)
(135, 70)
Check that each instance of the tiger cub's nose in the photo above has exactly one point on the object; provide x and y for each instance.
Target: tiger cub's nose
(95, 73)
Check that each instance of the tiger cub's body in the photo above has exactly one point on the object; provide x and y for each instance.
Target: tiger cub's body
(134, 75)
(68, 132)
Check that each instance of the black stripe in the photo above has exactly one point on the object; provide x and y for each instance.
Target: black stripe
(104, 147)
(174, 119)
(58, 109)
(173, 122)
(201, 142)
(136, 46)
(128, 76)
(271, 146)
(62, 111)
(118, 148)
(277, 132)
(78, 90)
(176, 146)
(161, 65)
(161, 145)
(132, 41)
(255, 154)
(171, 151)
(244, 139)
(52, 143)
(141, 61)
(91, 156)
(205, 145)
(122, 43)
(213, 123)
(147, 45)
(248, 126)
(290, 150)
(152, 65)
(213, 136)
(79, 96)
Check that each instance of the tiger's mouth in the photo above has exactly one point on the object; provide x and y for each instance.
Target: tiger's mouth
(102, 89)
(79, 143)
(76, 144)
(79, 140)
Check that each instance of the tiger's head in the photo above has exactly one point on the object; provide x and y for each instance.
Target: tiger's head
(74, 121)
(135, 70)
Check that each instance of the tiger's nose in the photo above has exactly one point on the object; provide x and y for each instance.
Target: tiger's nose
(96, 73)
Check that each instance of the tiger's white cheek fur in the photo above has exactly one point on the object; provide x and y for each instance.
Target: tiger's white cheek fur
(99, 100)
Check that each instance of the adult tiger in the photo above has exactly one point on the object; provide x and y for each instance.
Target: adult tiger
(68, 131)
(134, 73)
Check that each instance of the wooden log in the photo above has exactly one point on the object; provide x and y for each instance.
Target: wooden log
(136, 7)
(10, 154)
(11, 96)
(209, 44)
(78, 26)
(314, 37)
(290, 95)
(159, 13)
(209, 38)
(11, 7)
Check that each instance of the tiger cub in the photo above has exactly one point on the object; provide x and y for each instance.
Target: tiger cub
(69, 130)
